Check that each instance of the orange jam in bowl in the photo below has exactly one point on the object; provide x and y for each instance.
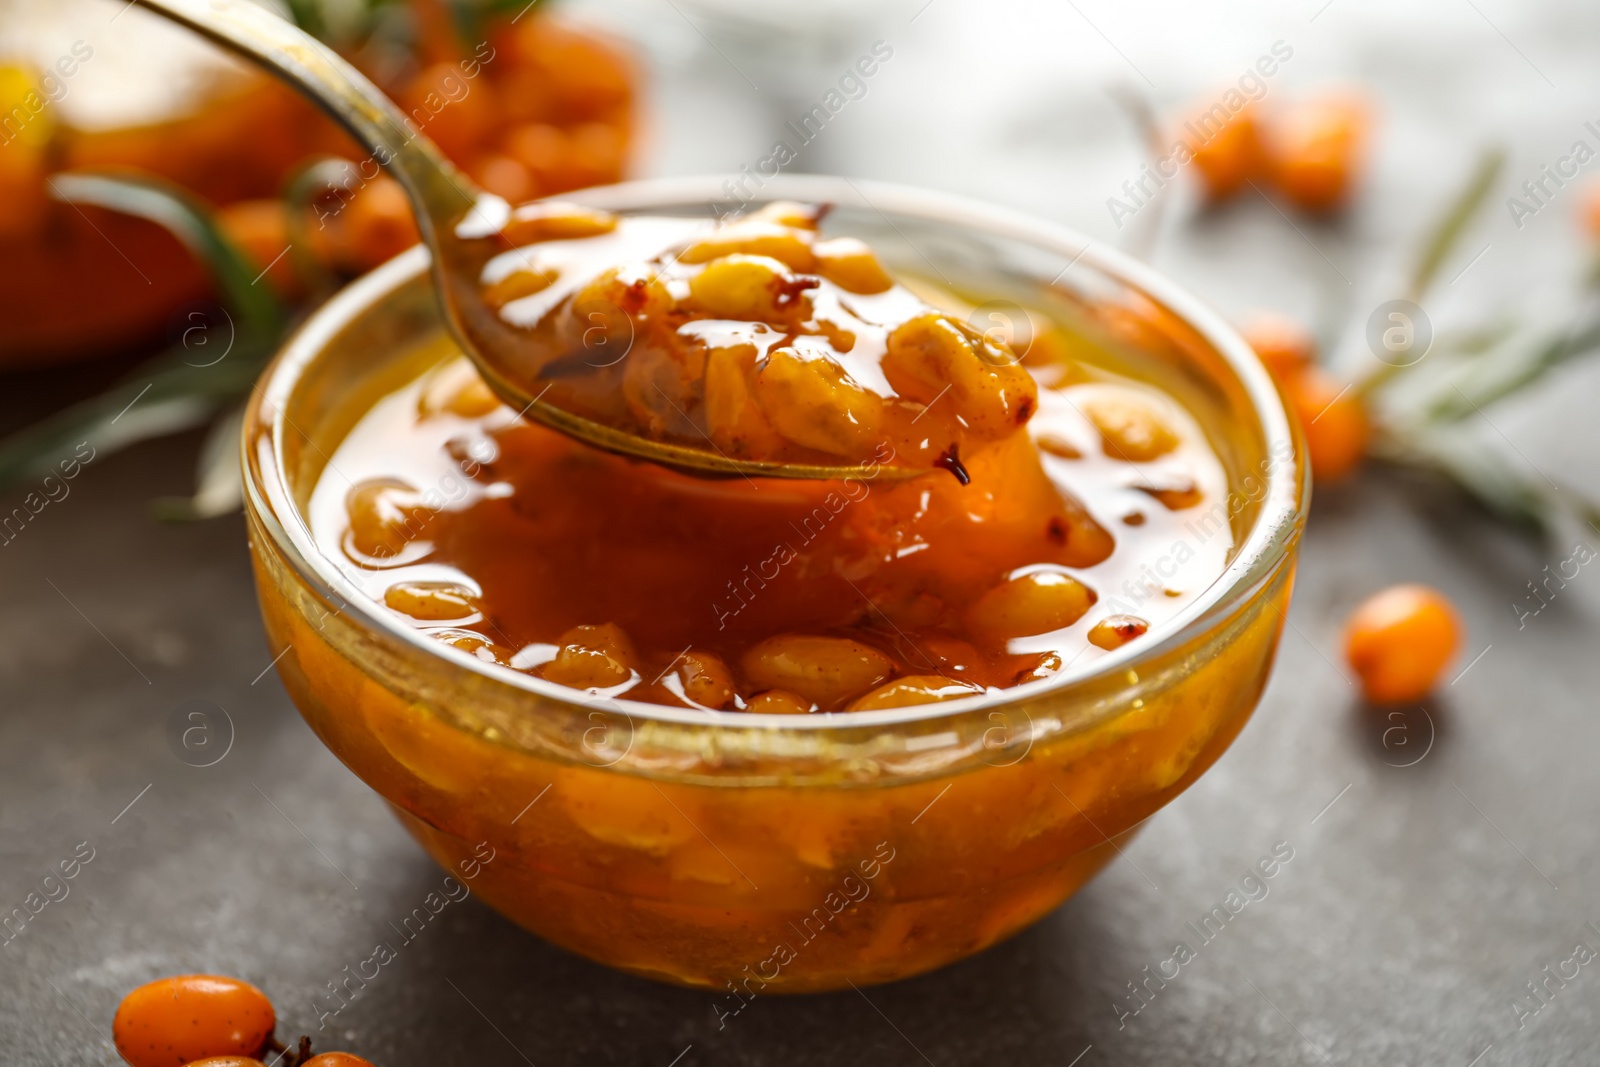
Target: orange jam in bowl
(762, 735)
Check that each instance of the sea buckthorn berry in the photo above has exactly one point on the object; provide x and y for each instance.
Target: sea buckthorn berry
(432, 601)
(1046, 665)
(826, 671)
(457, 389)
(554, 220)
(386, 515)
(1131, 429)
(788, 246)
(734, 420)
(915, 689)
(1114, 631)
(507, 178)
(1589, 209)
(777, 702)
(260, 229)
(851, 265)
(337, 1059)
(789, 213)
(1399, 641)
(1058, 446)
(1030, 604)
(751, 288)
(987, 386)
(174, 1021)
(705, 678)
(374, 227)
(609, 302)
(524, 281)
(1176, 493)
(1314, 149)
(474, 644)
(1335, 422)
(457, 113)
(816, 404)
(1224, 146)
(546, 152)
(231, 1061)
(592, 657)
(1284, 345)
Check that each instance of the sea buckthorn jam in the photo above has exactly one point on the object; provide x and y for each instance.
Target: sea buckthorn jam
(1062, 510)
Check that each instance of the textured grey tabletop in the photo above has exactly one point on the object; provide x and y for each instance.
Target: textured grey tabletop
(1441, 861)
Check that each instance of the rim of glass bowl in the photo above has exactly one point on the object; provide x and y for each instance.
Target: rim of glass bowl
(1256, 559)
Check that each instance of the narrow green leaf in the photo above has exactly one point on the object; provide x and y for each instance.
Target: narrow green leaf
(1447, 232)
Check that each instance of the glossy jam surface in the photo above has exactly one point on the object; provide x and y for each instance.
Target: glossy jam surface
(1089, 527)
(758, 338)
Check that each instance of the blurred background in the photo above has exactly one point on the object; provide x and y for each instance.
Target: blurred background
(166, 215)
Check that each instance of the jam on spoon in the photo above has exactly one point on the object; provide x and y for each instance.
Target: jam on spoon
(752, 348)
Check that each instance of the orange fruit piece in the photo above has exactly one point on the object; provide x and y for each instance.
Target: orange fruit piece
(174, 1021)
(1398, 642)
(1314, 149)
(1334, 419)
(1282, 343)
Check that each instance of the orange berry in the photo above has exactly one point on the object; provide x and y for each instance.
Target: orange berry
(504, 177)
(1285, 346)
(1225, 147)
(1589, 209)
(375, 226)
(175, 1021)
(227, 1061)
(546, 152)
(1334, 419)
(456, 112)
(1399, 641)
(1314, 149)
(260, 228)
(337, 1059)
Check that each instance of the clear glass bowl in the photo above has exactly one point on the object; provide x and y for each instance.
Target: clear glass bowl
(758, 853)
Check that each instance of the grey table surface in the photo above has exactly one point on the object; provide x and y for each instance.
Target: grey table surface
(1442, 860)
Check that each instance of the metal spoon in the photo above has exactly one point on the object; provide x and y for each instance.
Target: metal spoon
(456, 219)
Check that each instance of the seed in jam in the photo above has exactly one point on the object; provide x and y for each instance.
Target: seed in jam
(386, 515)
(778, 702)
(915, 689)
(1030, 604)
(826, 671)
(1114, 631)
(593, 657)
(702, 679)
(432, 601)
(1130, 428)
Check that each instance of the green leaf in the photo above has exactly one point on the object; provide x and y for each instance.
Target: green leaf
(1448, 230)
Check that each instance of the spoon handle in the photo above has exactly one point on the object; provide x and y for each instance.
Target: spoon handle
(438, 192)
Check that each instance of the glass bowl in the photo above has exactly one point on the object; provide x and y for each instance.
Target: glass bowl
(768, 853)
